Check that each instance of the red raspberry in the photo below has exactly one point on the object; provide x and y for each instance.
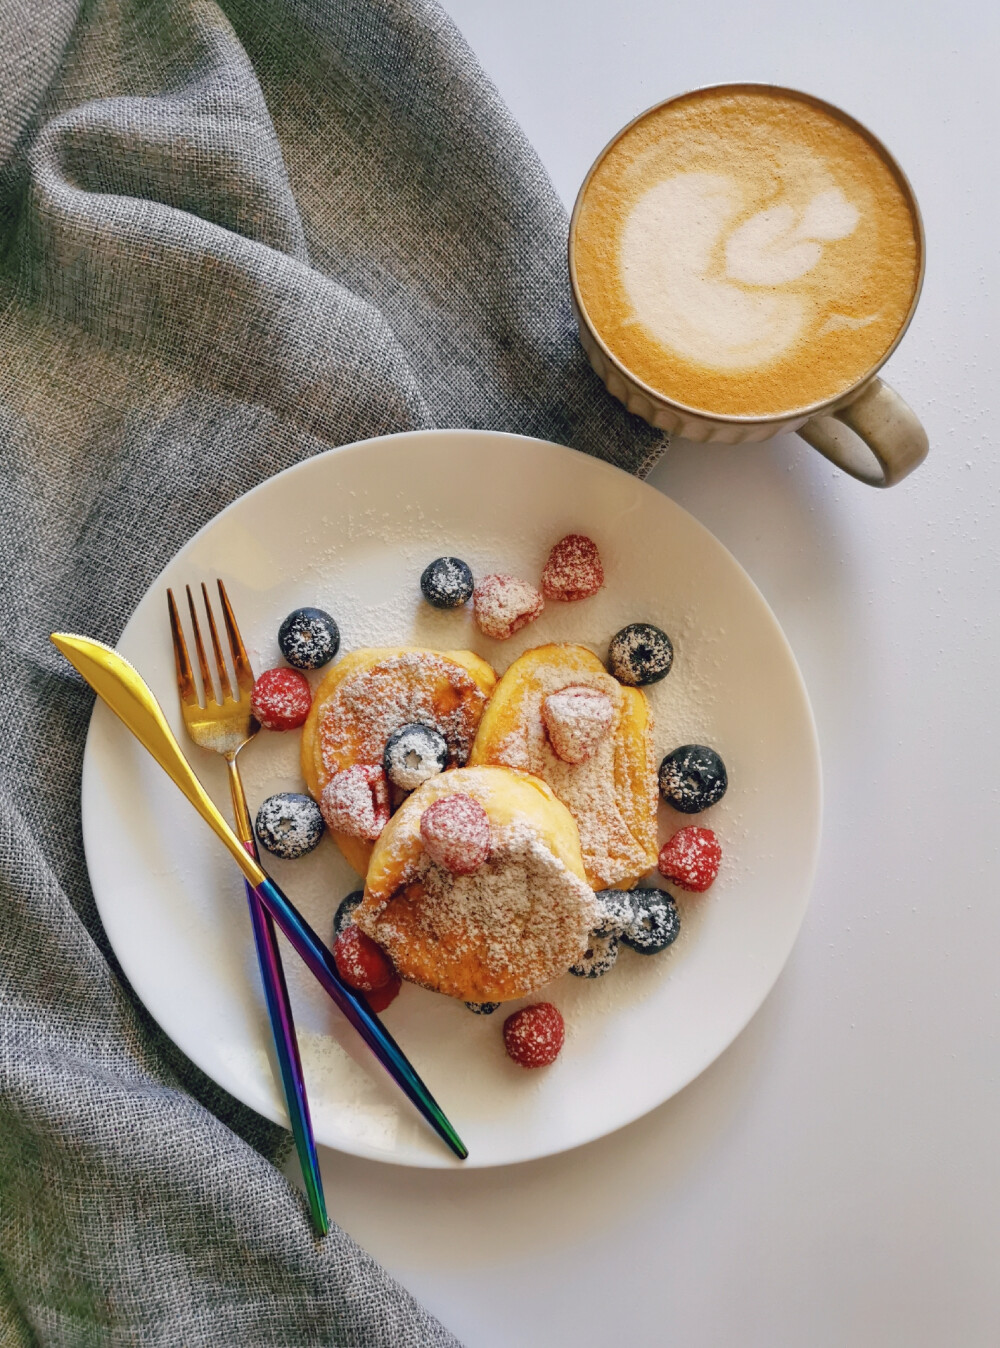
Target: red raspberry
(456, 833)
(577, 719)
(574, 569)
(691, 858)
(381, 997)
(356, 801)
(281, 699)
(503, 605)
(360, 962)
(534, 1035)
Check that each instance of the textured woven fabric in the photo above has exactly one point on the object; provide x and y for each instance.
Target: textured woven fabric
(230, 236)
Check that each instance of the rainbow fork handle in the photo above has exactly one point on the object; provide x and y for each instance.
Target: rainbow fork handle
(320, 962)
(279, 1010)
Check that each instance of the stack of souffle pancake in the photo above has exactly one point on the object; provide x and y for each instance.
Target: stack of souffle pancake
(549, 794)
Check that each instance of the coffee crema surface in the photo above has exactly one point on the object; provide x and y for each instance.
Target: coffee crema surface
(745, 253)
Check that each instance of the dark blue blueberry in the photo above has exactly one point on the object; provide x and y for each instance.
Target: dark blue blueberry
(447, 583)
(413, 753)
(289, 825)
(344, 915)
(655, 924)
(599, 957)
(616, 905)
(309, 638)
(692, 778)
(482, 1008)
(640, 654)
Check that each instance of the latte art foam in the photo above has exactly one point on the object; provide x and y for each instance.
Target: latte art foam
(745, 252)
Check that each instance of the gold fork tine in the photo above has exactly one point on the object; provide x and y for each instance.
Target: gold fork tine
(241, 661)
(185, 675)
(220, 659)
(206, 678)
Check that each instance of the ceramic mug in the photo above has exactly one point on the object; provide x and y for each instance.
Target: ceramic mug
(867, 430)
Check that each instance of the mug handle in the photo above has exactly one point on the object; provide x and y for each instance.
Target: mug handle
(876, 438)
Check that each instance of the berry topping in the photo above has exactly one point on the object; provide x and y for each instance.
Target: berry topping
(281, 699)
(309, 638)
(599, 957)
(482, 1008)
(534, 1035)
(356, 801)
(691, 858)
(504, 604)
(456, 833)
(412, 754)
(692, 778)
(447, 583)
(360, 962)
(618, 910)
(574, 569)
(654, 923)
(577, 719)
(381, 997)
(344, 915)
(289, 825)
(640, 654)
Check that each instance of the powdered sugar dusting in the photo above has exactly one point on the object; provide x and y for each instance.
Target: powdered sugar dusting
(356, 802)
(577, 720)
(504, 931)
(601, 806)
(399, 691)
(573, 570)
(504, 604)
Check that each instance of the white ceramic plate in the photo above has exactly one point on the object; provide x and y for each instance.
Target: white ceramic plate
(351, 531)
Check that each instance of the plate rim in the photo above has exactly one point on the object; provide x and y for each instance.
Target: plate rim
(431, 1160)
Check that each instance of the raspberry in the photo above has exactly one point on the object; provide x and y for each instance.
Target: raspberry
(360, 962)
(503, 605)
(534, 1035)
(281, 699)
(356, 801)
(577, 719)
(381, 997)
(691, 858)
(456, 833)
(574, 569)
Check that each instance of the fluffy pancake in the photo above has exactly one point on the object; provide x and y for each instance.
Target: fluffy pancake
(612, 795)
(374, 691)
(506, 930)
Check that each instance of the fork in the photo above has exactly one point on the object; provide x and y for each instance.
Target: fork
(225, 725)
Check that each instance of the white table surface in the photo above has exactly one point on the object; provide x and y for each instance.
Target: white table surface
(833, 1180)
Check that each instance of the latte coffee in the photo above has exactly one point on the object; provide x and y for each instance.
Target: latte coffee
(745, 252)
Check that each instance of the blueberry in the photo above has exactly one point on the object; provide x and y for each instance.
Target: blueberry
(640, 654)
(482, 1008)
(619, 913)
(413, 753)
(344, 915)
(599, 957)
(309, 638)
(692, 778)
(655, 924)
(289, 825)
(447, 583)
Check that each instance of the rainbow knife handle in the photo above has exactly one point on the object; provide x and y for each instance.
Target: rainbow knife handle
(320, 962)
(279, 1011)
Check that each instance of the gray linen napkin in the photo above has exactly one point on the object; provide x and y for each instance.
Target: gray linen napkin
(230, 236)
